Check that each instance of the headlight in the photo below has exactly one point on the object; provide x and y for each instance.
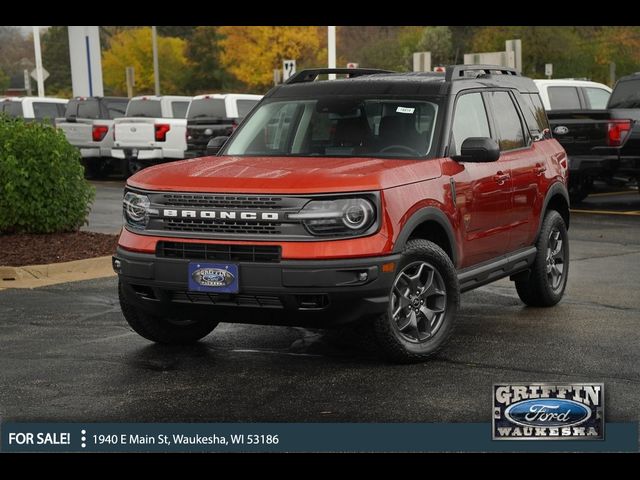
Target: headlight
(136, 209)
(346, 216)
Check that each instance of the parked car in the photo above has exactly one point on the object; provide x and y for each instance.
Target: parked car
(215, 115)
(88, 125)
(569, 94)
(41, 109)
(375, 198)
(153, 130)
(602, 144)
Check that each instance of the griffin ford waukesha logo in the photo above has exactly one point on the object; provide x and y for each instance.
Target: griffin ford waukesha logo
(213, 277)
(545, 411)
(220, 214)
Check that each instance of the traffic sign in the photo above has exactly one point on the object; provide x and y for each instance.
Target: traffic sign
(548, 69)
(288, 69)
(34, 74)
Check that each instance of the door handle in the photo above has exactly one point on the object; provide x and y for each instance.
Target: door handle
(539, 169)
(501, 178)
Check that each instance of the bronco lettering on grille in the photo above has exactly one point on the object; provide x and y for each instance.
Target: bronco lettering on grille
(221, 214)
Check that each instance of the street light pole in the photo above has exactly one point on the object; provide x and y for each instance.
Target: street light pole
(331, 34)
(156, 72)
(38, 55)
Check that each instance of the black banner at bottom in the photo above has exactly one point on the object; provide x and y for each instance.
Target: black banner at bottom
(291, 437)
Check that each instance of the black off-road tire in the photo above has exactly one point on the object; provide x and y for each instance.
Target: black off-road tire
(537, 289)
(96, 168)
(164, 330)
(387, 334)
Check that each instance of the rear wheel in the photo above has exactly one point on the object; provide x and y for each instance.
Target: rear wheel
(545, 285)
(164, 329)
(423, 303)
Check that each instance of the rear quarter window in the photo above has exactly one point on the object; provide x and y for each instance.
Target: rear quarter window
(245, 106)
(534, 114)
(179, 109)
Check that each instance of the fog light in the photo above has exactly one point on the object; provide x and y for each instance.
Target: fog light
(362, 276)
(117, 265)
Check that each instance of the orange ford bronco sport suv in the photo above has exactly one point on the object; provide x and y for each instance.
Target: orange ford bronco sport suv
(377, 198)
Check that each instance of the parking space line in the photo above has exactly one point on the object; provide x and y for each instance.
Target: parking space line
(610, 194)
(629, 213)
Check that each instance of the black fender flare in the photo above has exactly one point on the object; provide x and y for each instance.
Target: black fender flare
(556, 188)
(423, 215)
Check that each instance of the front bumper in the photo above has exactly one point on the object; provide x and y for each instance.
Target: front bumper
(314, 293)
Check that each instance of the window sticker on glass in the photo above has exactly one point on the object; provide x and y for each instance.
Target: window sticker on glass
(405, 110)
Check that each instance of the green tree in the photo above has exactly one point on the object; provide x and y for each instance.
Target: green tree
(133, 47)
(561, 46)
(14, 47)
(55, 58)
(184, 32)
(438, 41)
(206, 73)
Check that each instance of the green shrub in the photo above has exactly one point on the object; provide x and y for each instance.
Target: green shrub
(42, 185)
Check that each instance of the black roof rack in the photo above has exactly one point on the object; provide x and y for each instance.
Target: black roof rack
(311, 74)
(457, 72)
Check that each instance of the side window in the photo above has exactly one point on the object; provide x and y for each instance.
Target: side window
(42, 110)
(469, 120)
(534, 114)
(564, 98)
(507, 120)
(597, 98)
(179, 109)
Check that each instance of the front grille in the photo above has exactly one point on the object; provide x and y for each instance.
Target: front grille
(224, 300)
(221, 252)
(221, 226)
(223, 201)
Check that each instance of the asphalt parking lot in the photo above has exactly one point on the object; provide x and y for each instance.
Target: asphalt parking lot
(66, 353)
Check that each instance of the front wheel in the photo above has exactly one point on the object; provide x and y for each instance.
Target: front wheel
(545, 285)
(175, 331)
(423, 303)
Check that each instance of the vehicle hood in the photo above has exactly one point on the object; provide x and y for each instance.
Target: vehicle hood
(280, 175)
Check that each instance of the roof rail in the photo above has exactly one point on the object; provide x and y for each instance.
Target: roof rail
(457, 72)
(311, 74)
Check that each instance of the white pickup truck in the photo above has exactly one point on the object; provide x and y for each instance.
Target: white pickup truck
(40, 109)
(153, 130)
(571, 94)
(88, 125)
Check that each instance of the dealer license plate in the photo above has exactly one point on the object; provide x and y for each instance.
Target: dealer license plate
(213, 277)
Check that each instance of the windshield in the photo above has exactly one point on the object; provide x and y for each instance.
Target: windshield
(144, 108)
(207, 108)
(339, 126)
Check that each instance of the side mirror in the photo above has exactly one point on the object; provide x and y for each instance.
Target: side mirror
(215, 144)
(479, 149)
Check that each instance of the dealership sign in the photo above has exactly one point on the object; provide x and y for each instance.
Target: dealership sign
(548, 411)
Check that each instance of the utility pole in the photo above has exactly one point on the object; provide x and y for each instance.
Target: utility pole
(38, 55)
(331, 31)
(156, 73)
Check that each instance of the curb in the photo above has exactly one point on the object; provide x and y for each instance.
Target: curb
(33, 276)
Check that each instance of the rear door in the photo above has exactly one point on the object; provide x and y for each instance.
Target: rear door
(483, 189)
